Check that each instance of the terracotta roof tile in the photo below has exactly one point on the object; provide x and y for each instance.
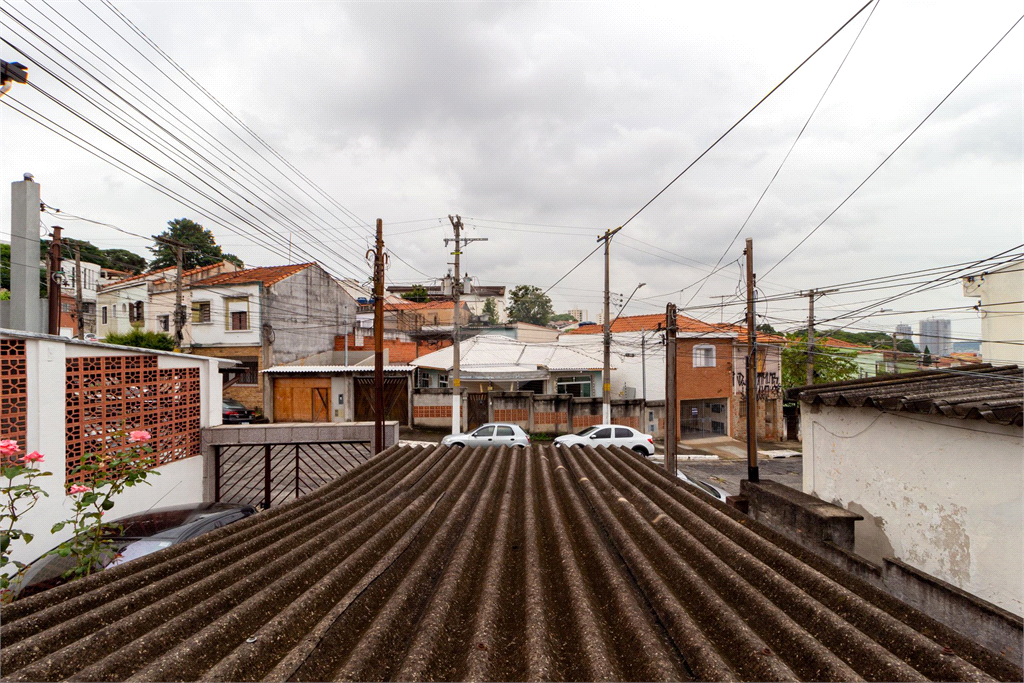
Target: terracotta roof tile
(686, 324)
(267, 275)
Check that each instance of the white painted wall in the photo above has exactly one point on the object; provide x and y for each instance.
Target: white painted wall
(117, 301)
(943, 495)
(179, 482)
(1002, 312)
(217, 331)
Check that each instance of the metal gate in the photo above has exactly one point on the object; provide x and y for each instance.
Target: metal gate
(396, 399)
(703, 418)
(476, 410)
(262, 475)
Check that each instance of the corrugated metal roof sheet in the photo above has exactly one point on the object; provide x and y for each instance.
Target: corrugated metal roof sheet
(995, 394)
(492, 351)
(333, 369)
(469, 564)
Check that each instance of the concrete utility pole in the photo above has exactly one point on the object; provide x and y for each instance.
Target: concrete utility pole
(811, 295)
(53, 284)
(606, 376)
(459, 241)
(752, 472)
(671, 404)
(179, 308)
(25, 207)
(378, 341)
(78, 292)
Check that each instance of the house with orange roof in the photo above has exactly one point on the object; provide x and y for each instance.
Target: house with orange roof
(710, 372)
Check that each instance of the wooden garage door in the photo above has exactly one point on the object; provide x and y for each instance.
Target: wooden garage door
(396, 399)
(302, 399)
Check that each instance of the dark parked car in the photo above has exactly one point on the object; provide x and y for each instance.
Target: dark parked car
(237, 414)
(142, 534)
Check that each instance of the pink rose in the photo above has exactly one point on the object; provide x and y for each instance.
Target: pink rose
(34, 456)
(78, 488)
(8, 447)
(139, 435)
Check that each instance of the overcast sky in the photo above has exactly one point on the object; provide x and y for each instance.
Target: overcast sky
(543, 124)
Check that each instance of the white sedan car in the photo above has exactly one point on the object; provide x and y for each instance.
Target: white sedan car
(610, 435)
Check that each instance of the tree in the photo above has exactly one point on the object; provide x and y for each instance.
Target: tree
(563, 317)
(418, 294)
(529, 304)
(766, 328)
(122, 259)
(142, 339)
(830, 364)
(202, 247)
(491, 310)
(5, 269)
(927, 360)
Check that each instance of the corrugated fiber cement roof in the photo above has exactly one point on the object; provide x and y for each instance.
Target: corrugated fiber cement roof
(458, 564)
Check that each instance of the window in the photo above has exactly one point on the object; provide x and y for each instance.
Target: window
(135, 312)
(239, 320)
(200, 311)
(704, 356)
(442, 381)
(484, 432)
(65, 307)
(237, 313)
(717, 408)
(422, 379)
(504, 431)
(164, 323)
(578, 386)
(602, 434)
(103, 315)
(251, 376)
(623, 433)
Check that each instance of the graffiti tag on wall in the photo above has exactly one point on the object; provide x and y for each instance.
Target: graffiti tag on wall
(769, 384)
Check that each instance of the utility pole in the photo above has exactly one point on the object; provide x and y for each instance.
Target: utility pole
(378, 341)
(671, 404)
(459, 241)
(78, 292)
(811, 296)
(179, 307)
(895, 358)
(606, 376)
(643, 366)
(752, 472)
(53, 284)
(25, 254)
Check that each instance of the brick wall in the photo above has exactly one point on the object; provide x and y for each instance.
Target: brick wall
(512, 415)
(697, 383)
(13, 391)
(251, 396)
(398, 351)
(550, 418)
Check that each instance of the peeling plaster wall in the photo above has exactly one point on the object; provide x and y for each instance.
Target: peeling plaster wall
(943, 495)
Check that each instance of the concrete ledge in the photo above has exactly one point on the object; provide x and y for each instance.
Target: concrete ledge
(798, 515)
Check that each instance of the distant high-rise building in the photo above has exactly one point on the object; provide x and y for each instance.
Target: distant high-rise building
(936, 335)
(580, 314)
(904, 331)
(600, 318)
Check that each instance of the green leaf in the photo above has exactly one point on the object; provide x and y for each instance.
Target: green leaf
(63, 551)
(107, 504)
(28, 537)
(57, 527)
(89, 498)
(5, 541)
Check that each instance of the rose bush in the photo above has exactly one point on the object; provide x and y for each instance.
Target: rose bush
(18, 495)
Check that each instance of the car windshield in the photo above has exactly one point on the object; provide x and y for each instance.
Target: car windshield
(586, 431)
(234, 405)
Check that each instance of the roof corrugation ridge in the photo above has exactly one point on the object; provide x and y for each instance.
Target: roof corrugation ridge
(507, 564)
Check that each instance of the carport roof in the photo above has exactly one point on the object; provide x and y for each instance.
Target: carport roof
(456, 564)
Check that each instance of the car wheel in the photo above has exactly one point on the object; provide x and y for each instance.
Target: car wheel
(640, 450)
(458, 444)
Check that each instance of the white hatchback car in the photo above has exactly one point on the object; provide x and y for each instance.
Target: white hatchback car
(610, 435)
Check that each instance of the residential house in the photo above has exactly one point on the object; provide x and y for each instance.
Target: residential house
(870, 361)
(1001, 308)
(498, 363)
(473, 294)
(90, 276)
(264, 317)
(335, 392)
(710, 372)
(932, 462)
(519, 331)
(436, 316)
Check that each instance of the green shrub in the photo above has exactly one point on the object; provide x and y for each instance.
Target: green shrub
(143, 340)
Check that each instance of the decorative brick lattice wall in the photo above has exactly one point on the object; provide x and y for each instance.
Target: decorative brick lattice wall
(581, 421)
(512, 415)
(432, 411)
(108, 396)
(550, 418)
(13, 391)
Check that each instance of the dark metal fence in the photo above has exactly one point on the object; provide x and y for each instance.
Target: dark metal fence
(262, 475)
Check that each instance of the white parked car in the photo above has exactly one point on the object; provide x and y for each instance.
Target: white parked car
(610, 435)
(490, 434)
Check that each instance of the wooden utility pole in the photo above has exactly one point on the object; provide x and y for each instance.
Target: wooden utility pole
(811, 296)
(78, 292)
(459, 241)
(671, 404)
(53, 284)
(179, 308)
(752, 472)
(378, 341)
(606, 375)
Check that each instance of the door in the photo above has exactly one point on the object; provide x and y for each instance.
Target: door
(703, 418)
(476, 410)
(396, 399)
(481, 437)
(302, 399)
(504, 436)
